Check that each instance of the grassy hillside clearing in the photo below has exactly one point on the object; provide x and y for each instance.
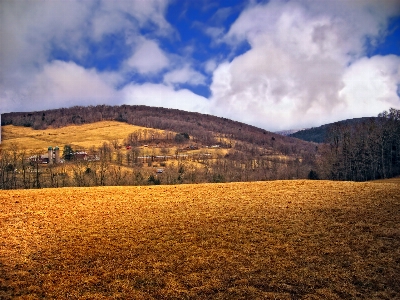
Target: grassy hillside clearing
(260, 240)
(92, 135)
(81, 136)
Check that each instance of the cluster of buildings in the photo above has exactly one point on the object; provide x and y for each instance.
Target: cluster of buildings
(53, 157)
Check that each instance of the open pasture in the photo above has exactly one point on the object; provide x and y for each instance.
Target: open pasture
(260, 240)
(80, 136)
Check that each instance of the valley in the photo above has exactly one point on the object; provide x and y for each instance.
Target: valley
(117, 153)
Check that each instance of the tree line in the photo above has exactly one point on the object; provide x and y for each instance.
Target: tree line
(364, 151)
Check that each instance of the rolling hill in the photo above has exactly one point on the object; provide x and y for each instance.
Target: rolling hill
(205, 128)
(130, 143)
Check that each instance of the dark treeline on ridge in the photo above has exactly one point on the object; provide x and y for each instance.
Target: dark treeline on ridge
(361, 149)
(320, 134)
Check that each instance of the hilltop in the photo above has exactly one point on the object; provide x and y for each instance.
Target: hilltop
(78, 136)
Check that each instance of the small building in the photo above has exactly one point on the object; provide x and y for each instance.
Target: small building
(81, 155)
(40, 159)
(52, 156)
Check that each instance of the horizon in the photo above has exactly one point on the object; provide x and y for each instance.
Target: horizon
(277, 65)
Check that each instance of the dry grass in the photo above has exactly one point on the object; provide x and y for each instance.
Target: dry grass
(261, 240)
(389, 180)
(83, 136)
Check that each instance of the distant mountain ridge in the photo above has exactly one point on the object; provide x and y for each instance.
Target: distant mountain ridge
(320, 134)
(288, 132)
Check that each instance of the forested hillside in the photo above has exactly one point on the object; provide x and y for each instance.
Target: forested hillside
(362, 150)
(320, 134)
(201, 126)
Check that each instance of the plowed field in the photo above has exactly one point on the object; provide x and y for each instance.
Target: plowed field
(260, 240)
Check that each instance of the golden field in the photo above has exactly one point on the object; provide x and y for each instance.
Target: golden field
(87, 136)
(81, 136)
(260, 240)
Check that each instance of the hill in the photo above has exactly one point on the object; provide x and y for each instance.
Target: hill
(136, 145)
(192, 148)
(79, 136)
(260, 240)
(205, 128)
(320, 134)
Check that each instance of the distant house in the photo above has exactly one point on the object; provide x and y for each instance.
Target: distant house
(41, 159)
(81, 155)
(92, 157)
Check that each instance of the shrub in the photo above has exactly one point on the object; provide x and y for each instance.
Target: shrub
(153, 180)
(181, 137)
(218, 178)
(313, 175)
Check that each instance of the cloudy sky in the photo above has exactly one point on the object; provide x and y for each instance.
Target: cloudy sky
(278, 64)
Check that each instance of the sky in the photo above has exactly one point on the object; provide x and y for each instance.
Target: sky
(278, 64)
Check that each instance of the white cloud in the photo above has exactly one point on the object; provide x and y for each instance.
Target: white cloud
(61, 84)
(32, 30)
(147, 13)
(159, 95)
(306, 64)
(114, 16)
(214, 32)
(210, 65)
(370, 85)
(148, 58)
(185, 75)
(297, 72)
(29, 28)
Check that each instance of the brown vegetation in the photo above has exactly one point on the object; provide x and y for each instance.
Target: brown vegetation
(260, 240)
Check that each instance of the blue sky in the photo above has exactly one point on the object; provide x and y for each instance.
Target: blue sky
(279, 64)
